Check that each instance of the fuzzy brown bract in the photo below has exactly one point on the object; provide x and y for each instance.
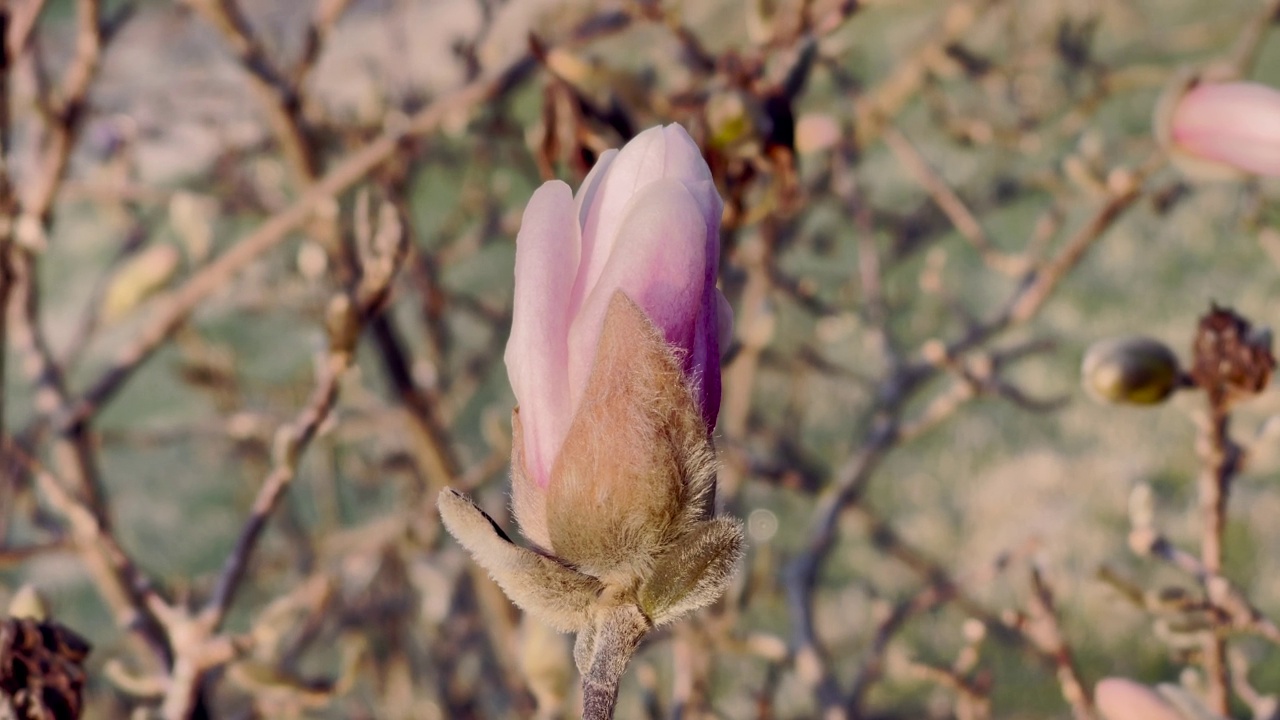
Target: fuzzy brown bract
(637, 465)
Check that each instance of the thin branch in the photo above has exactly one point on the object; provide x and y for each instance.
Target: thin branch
(172, 310)
(1047, 634)
(126, 590)
(280, 96)
(1225, 597)
(968, 225)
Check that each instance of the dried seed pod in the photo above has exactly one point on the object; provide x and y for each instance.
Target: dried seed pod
(41, 669)
(1130, 371)
(1232, 359)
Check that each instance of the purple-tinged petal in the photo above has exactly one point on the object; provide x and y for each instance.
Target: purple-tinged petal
(659, 263)
(702, 366)
(537, 355)
(708, 199)
(589, 193)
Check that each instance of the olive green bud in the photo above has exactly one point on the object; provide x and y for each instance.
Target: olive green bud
(1130, 371)
(733, 119)
(138, 279)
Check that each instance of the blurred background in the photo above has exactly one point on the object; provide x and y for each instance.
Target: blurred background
(257, 269)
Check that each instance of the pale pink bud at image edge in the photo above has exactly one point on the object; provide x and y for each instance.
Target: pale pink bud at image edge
(1122, 699)
(646, 222)
(1235, 124)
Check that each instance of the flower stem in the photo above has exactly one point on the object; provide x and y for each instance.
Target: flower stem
(1221, 460)
(617, 636)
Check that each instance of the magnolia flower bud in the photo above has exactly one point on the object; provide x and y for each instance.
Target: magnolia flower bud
(1130, 370)
(614, 360)
(1219, 130)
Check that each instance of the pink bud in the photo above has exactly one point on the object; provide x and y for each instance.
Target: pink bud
(1121, 699)
(646, 221)
(1232, 124)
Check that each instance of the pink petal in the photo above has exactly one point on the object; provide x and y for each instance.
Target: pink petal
(683, 157)
(587, 194)
(537, 355)
(659, 261)
(1237, 124)
(639, 162)
(588, 197)
(657, 153)
(1121, 699)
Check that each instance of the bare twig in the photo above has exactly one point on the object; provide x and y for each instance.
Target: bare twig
(280, 95)
(950, 203)
(1047, 634)
(1226, 598)
(173, 309)
(127, 591)
(203, 648)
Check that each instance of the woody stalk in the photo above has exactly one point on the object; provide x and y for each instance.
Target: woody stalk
(614, 360)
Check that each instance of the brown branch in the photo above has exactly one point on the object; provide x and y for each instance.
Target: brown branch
(29, 220)
(1124, 188)
(942, 588)
(173, 309)
(1047, 635)
(1243, 56)
(73, 450)
(886, 424)
(321, 27)
(203, 648)
(280, 96)
(1225, 597)
(950, 203)
(193, 658)
(67, 110)
(1219, 457)
(126, 590)
(8, 203)
(889, 96)
(21, 20)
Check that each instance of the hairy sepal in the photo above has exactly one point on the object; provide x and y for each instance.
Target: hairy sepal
(541, 586)
(695, 572)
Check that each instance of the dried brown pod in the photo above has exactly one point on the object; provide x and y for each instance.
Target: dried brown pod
(1231, 359)
(41, 670)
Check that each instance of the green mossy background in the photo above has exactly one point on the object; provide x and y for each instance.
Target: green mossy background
(1051, 488)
